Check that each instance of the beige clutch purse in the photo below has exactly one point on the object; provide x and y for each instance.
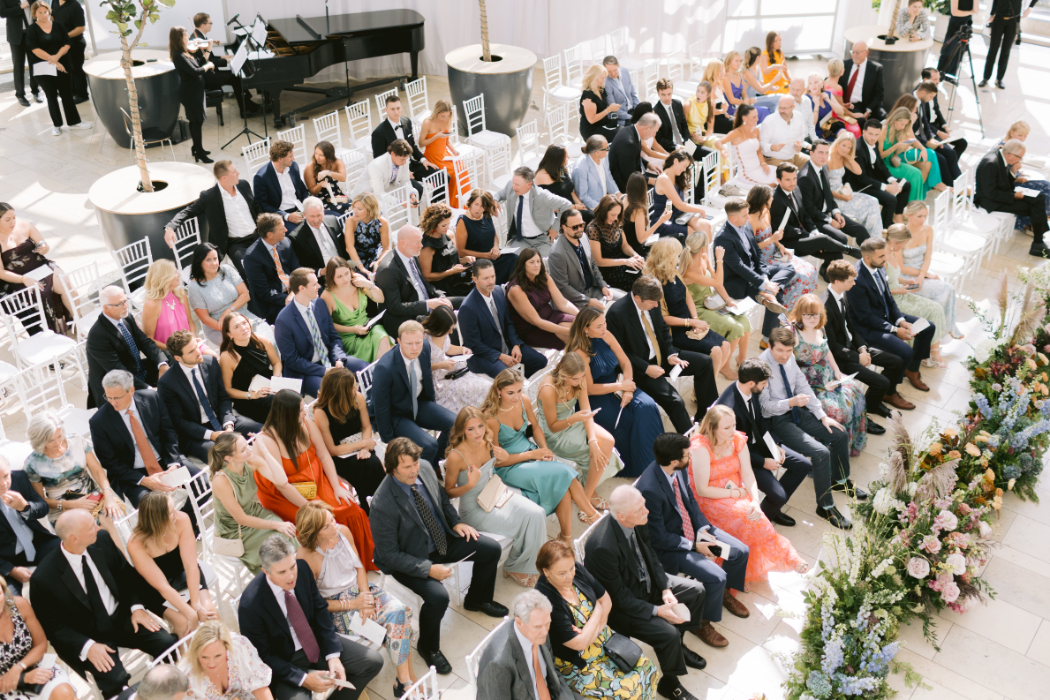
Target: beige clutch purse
(494, 495)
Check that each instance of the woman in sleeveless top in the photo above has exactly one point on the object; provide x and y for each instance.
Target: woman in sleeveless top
(440, 261)
(22, 250)
(637, 227)
(342, 581)
(906, 159)
(700, 113)
(908, 301)
(434, 135)
(914, 260)
(322, 177)
(703, 280)
(541, 314)
(735, 89)
(22, 646)
(216, 290)
(346, 295)
(760, 93)
(367, 234)
(234, 467)
(552, 174)
(619, 263)
(859, 206)
(751, 166)
(476, 235)
(242, 356)
(166, 308)
(469, 465)
(596, 118)
(225, 666)
(466, 390)
(772, 66)
(829, 114)
(310, 470)
(759, 200)
(669, 190)
(529, 465)
(163, 550)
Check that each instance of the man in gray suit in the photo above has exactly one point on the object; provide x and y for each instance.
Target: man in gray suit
(533, 211)
(620, 90)
(573, 269)
(509, 665)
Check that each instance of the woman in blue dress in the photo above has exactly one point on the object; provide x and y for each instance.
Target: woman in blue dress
(530, 466)
(733, 86)
(631, 416)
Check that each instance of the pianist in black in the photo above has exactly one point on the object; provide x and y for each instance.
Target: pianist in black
(397, 127)
(191, 87)
(214, 80)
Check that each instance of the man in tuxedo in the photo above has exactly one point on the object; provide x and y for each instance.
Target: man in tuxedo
(801, 234)
(993, 190)
(861, 81)
(418, 533)
(215, 79)
(86, 597)
(675, 524)
(319, 238)
(619, 90)
(406, 293)
(572, 267)
(116, 342)
(852, 355)
(533, 211)
(388, 172)
(745, 274)
(875, 178)
(815, 189)
(487, 329)
(674, 131)
(278, 185)
(396, 127)
(287, 621)
(636, 322)
(625, 151)
(926, 134)
(404, 380)
(742, 396)
(16, 12)
(267, 264)
(940, 124)
(880, 322)
(620, 555)
(24, 542)
(196, 400)
(225, 213)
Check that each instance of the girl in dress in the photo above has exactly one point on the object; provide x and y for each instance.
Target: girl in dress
(905, 158)
(367, 234)
(542, 316)
(618, 262)
(829, 114)
(670, 187)
(323, 175)
(242, 355)
(529, 465)
(469, 463)
(897, 237)
(1018, 130)
(914, 260)
(225, 666)
(596, 118)
(759, 200)
(433, 138)
(714, 71)
(702, 281)
(700, 113)
(735, 89)
(772, 66)
(476, 235)
(861, 207)
(720, 456)
(216, 290)
(346, 295)
(26, 649)
(466, 390)
(166, 307)
(636, 226)
(631, 416)
(22, 250)
(844, 402)
(440, 261)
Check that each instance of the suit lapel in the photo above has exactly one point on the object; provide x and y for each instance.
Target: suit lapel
(269, 603)
(406, 504)
(71, 581)
(626, 550)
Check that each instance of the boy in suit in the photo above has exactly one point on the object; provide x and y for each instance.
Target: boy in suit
(397, 127)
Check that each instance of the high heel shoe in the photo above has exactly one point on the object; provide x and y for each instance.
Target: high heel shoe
(202, 158)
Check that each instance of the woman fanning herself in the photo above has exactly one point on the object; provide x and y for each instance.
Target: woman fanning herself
(346, 295)
(469, 467)
(541, 314)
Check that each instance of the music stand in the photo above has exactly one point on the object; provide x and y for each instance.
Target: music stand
(242, 67)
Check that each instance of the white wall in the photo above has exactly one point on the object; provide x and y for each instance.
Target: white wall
(156, 35)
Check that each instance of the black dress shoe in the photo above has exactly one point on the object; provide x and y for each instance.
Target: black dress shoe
(399, 689)
(673, 690)
(824, 272)
(23, 101)
(853, 252)
(983, 83)
(437, 660)
(80, 100)
(850, 488)
(880, 410)
(784, 519)
(38, 98)
(1039, 251)
(836, 518)
(874, 428)
(692, 659)
(999, 84)
(491, 608)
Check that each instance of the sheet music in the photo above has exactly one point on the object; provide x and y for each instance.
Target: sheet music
(784, 221)
(259, 31)
(240, 57)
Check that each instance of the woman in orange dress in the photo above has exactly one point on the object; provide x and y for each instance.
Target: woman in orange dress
(772, 66)
(433, 137)
(290, 433)
(725, 489)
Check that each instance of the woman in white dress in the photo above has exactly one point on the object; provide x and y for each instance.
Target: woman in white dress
(862, 208)
(751, 166)
(466, 390)
(225, 666)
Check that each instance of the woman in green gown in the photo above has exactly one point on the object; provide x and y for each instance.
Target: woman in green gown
(346, 295)
(906, 158)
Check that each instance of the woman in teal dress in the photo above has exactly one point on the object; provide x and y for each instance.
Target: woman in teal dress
(897, 238)
(530, 465)
(346, 294)
(844, 402)
(905, 158)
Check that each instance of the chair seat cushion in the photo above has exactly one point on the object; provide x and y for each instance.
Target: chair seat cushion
(44, 347)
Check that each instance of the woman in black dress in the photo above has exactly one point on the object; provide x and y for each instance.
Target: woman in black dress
(636, 228)
(620, 264)
(48, 43)
(191, 88)
(341, 415)
(552, 174)
(476, 234)
(243, 355)
(22, 250)
(441, 263)
(595, 116)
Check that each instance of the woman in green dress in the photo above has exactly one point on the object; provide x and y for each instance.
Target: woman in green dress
(897, 238)
(906, 158)
(346, 295)
(238, 513)
(703, 281)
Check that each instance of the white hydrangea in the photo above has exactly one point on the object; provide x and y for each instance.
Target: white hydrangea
(884, 502)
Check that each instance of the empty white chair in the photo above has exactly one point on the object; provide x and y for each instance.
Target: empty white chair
(969, 246)
(675, 66)
(495, 144)
(580, 543)
(619, 43)
(554, 89)
(418, 101)
(84, 286)
(297, 137)
(397, 206)
(38, 344)
(650, 74)
(426, 688)
(529, 153)
(558, 131)
(574, 65)
(174, 653)
(134, 261)
(359, 116)
(435, 188)
(255, 156)
(187, 237)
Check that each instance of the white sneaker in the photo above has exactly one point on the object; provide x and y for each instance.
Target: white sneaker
(83, 125)
(56, 131)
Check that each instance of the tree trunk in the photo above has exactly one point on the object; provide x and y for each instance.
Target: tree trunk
(136, 125)
(893, 20)
(486, 53)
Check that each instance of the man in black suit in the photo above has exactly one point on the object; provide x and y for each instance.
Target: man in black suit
(417, 532)
(868, 95)
(16, 12)
(86, 598)
(926, 134)
(267, 264)
(318, 239)
(287, 621)
(116, 342)
(742, 397)
(815, 189)
(225, 213)
(674, 131)
(24, 542)
(396, 127)
(801, 234)
(636, 322)
(993, 190)
(850, 352)
(406, 293)
(620, 556)
(940, 124)
(196, 400)
(625, 151)
(875, 178)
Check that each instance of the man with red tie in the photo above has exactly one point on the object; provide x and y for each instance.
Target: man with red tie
(861, 82)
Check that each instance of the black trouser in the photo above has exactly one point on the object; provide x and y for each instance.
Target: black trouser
(1032, 207)
(780, 274)
(1001, 42)
(879, 385)
(702, 370)
(911, 355)
(949, 162)
(435, 598)
(215, 79)
(57, 87)
(197, 136)
(891, 204)
(364, 475)
(198, 449)
(828, 450)
(947, 63)
(75, 66)
(360, 663)
(822, 242)
(796, 467)
(959, 146)
(18, 59)
(237, 247)
(44, 545)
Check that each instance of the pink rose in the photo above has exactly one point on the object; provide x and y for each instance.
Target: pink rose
(946, 520)
(918, 567)
(956, 563)
(931, 544)
(950, 592)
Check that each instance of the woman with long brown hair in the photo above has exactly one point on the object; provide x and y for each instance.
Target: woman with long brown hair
(636, 224)
(323, 175)
(346, 294)
(670, 187)
(619, 262)
(468, 389)
(771, 64)
(242, 356)
(191, 88)
(540, 312)
(552, 174)
(476, 234)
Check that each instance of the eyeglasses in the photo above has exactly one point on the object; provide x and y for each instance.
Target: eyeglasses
(120, 304)
(113, 399)
(577, 227)
(604, 149)
(810, 315)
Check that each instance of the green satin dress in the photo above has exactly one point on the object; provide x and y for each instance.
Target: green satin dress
(571, 444)
(363, 347)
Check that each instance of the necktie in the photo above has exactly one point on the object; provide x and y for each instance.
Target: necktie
(845, 322)
(517, 219)
(796, 414)
(393, 174)
(280, 270)
(297, 619)
(751, 410)
(588, 278)
(541, 683)
(433, 527)
(413, 387)
(143, 446)
(882, 293)
(823, 191)
(852, 82)
(22, 533)
(98, 608)
(499, 328)
(140, 371)
(315, 334)
(418, 279)
(652, 337)
(687, 524)
(643, 570)
(675, 133)
(215, 424)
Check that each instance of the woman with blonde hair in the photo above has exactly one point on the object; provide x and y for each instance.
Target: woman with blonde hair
(915, 259)
(166, 308)
(905, 158)
(703, 280)
(734, 87)
(469, 466)
(366, 232)
(829, 114)
(225, 666)
(346, 294)
(897, 237)
(342, 580)
(597, 118)
(433, 138)
(20, 657)
(714, 71)
(842, 169)
(1020, 130)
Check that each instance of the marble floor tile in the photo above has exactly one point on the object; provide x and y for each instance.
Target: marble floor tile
(999, 621)
(992, 665)
(1039, 650)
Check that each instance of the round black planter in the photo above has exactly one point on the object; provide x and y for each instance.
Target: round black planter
(506, 84)
(157, 85)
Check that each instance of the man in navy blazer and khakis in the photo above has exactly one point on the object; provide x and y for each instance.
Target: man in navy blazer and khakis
(279, 186)
(267, 264)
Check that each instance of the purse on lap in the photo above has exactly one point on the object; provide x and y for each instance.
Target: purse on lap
(494, 495)
(623, 651)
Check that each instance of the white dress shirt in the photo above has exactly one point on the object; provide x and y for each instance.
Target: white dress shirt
(858, 87)
(526, 648)
(409, 264)
(303, 310)
(238, 214)
(396, 126)
(601, 176)
(413, 367)
(288, 198)
(324, 242)
(278, 593)
(529, 229)
(643, 320)
(774, 130)
(76, 563)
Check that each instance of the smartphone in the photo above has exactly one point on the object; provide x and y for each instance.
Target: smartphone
(715, 549)
(911, 286)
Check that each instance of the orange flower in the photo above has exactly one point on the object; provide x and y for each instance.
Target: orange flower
(936, 449)
(950, 432)
(973, 449)
(954, 454)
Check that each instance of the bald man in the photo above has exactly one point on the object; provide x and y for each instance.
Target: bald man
(863, 89)
(783, 135)
(406, 293)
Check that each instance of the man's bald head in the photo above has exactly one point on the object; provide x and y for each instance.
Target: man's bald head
(72, 524)
(785, 106)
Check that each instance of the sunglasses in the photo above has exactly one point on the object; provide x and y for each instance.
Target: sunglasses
(577, 227)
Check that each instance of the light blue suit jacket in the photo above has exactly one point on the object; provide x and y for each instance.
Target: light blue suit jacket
(625, 95)
(588, 186)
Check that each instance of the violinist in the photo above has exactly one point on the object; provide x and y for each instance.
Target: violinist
(214, 80)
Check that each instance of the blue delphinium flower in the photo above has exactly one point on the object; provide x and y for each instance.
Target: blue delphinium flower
(819, 684)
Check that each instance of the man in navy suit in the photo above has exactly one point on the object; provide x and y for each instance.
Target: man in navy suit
(745, 274)
(408, 407)
(287, 621)
(279, 188)
(674, 522)
(881, 323)
(268, 281)
(197, 402)
(24, 542)
(306, 337)
(488, 330)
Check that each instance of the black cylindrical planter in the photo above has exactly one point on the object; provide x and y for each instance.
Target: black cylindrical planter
(901, 61)
(157, 85)
(506, 84)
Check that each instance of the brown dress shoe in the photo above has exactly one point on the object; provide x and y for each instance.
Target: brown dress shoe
(898, 401)
(710, 636)
(916, 380)
(734, 606)
(762, 345)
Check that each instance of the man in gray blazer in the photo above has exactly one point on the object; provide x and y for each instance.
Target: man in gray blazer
(620, 90)
(592, 177)
(509, 664)
(533, 211)
(573, 269)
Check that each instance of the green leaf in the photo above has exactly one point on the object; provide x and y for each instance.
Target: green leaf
(168, 3)
(138, 24)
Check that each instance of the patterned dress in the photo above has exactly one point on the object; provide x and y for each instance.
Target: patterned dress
(246, 673)
(368, 241)
(22, 259)
(363, 347)
(862, 208)
(844, 402)
(456, 394)
(610, 240)
(805, 281)
(326, 194)
(770, 551)
(20, 646)
(571, 444)
(64, 477)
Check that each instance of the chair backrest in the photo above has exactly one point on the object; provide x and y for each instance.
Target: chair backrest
(395, 206)
(187, 237)
(359, 116)
(674, 66)
(696, 60)
(43, 389)
(26, 306)
(381, 101)
(418, 99)
(126, 526)
(426, 688)
(960, 202)
(712, 174)
(620, 40)
(558, 124)
(256, 155)
(84, 286)
(464, 179)
(474, 657)
(173, 655)
(574, 65)
(597, 49)
(650, 74)
(435, 188)
(199, 492)
(474, 112)
(581, 542)
(528, 141)
(364, 380)
(552, 71)
(941, 204)
(327, 128)
(297, 137)
(134, 261)
(649, 195)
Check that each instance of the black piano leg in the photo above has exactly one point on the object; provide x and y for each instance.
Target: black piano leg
(415, 64)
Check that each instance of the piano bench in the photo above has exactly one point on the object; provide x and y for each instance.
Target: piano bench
(213, 98)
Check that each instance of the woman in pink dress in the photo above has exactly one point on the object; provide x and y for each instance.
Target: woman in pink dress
(725, 489)
(166, 306)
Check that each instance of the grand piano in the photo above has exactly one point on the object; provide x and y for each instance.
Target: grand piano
(304, 46)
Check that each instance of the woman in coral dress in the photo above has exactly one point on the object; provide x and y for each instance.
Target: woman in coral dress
(720, 456)
(288, 432)
(433, 137)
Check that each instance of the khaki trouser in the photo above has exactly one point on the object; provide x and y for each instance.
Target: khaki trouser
(799, 160)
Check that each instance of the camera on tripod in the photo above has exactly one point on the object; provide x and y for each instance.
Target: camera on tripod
(965, 33)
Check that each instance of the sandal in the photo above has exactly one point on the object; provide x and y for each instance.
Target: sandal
(930, 362)
(589, 520)
(602, 504)
(525, 580)
(802, 567)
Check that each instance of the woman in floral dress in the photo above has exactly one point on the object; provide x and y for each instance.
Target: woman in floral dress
(367, 234)
(759, 200)
(21, 656)
(323, 175)
(845, 402)
(225, 666)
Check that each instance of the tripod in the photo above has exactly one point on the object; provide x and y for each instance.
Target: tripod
(955, 58)
(246, 71)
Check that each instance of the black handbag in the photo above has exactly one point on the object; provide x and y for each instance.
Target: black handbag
(31, 688)
(623, 651)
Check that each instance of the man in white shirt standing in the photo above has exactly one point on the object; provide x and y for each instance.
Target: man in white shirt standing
(783, 135)
(279, 187)
(319, 238)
